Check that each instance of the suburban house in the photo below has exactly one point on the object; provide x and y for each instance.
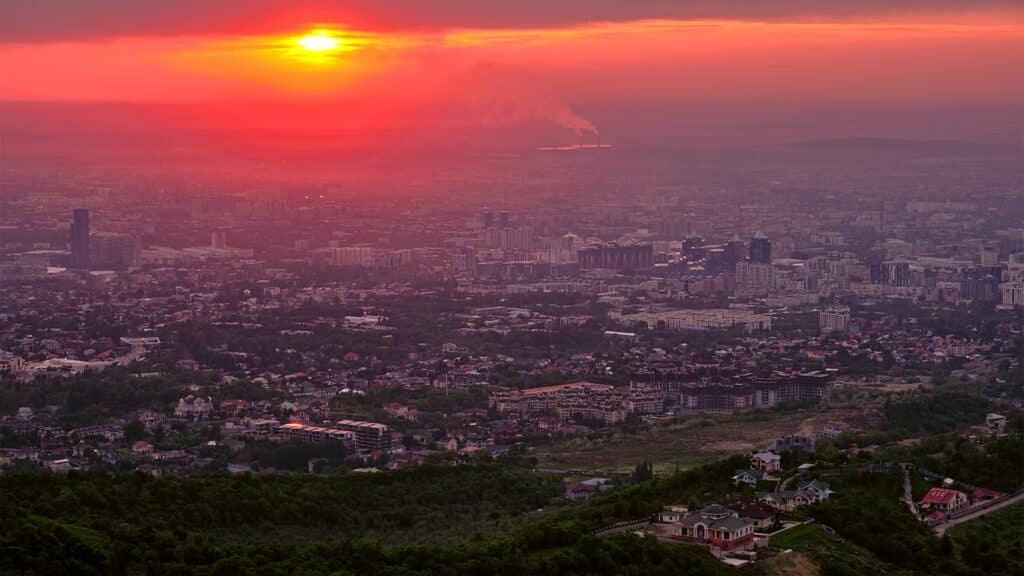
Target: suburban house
(764, 516)
(715, 526)
(817, 490)
(944, 500)
(789, 500)
(750, 477)
(400, 411)
(983, 494)
(767, 461)
(194, 407)
(142, 447)
(578, 491)
(996, 424)
(587, 488)
(672, 514)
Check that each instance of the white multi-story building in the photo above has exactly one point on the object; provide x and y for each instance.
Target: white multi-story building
(835, 319)
(1013, 292)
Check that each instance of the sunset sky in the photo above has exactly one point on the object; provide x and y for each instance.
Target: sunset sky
(499, 62)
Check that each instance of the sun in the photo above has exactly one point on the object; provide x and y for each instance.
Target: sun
(319, 41)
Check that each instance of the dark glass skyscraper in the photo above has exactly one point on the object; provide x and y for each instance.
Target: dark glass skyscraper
(760, 249)
(80, 239)
(735, 252)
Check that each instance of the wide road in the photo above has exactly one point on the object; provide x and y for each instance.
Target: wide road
(940, 529)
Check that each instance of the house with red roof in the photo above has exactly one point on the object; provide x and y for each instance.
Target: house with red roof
(142, 447)
(982, 494)
(944, 500)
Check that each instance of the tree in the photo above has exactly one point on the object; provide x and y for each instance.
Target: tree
(134, 431)
(643, 472)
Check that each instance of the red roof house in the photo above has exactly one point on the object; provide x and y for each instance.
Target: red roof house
(944, 499)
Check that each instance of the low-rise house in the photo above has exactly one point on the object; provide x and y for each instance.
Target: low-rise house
(983, 494)
(715, 526)
(764, 516)
(194, 407)
(789, 500)
(61, 465)
(142, 447)
(672, 514)
(750, 477)
(171, 456)
(400, 411)
(996, 424)
(818, 491)
(766, 461)
(578, 491)
(944, 500)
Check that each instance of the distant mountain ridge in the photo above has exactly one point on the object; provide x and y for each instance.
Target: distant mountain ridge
(878, 145)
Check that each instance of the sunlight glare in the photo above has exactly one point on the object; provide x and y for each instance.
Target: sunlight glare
(319, 41)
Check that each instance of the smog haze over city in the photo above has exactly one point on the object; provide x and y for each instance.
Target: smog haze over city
(460, 287)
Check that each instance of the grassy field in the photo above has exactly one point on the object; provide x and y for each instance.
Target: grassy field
(816, 550)
(799, 537)
(688, 442)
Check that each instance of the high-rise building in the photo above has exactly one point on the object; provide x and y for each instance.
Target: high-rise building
(752, 278)
(735, 252)
(613, 256)
(487, 219)
(218, 240)
(1013, 293)
(834, 319)
(80, 238)
(503, 219)
(693, 247)
(760, 249)
(113, 251)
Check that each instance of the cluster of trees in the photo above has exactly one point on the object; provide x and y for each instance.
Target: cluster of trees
(422, 504)
(997, 464)
(992, 544)
(92, 397)
(867, 511)
(40, 546)
(934, 413)
(428, 520)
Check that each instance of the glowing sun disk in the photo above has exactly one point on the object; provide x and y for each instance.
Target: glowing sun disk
(319, 42)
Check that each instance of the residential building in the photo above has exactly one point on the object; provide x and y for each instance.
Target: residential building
(944, 500)
(194, 407)
(368, 435)
(80, 238)
(834, 319)
(715, 526)
(1012, 292)
(766, 461)
(996, 424)
(311, 434)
